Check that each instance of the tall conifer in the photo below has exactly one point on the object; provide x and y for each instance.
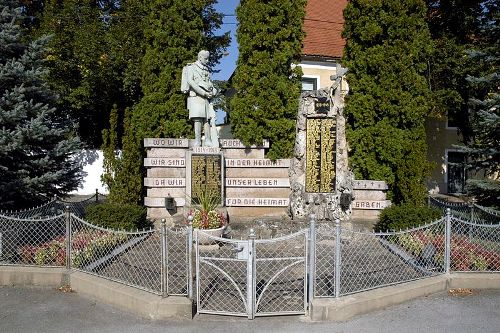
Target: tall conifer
(484, 148)
(388, 46)
(36, 146)
(267, 84)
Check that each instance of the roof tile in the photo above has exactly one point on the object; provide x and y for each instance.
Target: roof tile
(323, 26)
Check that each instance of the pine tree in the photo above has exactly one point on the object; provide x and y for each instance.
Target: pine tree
(484, 148)
(36, 147)
(388, 46)
(267, 84)
(174, 32)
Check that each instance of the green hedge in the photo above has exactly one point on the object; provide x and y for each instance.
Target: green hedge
(118, 216)
(405, 216)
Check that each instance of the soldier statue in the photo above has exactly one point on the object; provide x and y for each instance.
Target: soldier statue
(200, 89)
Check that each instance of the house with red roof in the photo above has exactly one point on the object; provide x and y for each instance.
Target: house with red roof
(322, 51)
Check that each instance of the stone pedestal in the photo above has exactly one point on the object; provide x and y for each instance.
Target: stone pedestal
(252, 186)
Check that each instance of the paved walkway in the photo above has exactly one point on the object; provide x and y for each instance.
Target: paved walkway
(47, 310)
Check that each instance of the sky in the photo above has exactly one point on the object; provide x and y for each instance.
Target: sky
(228, 63)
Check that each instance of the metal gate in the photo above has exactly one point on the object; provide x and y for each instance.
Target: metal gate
(254, 277)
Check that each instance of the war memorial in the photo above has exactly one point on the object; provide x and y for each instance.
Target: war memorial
(316, 180)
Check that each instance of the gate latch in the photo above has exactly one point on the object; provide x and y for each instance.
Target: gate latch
(241, 250)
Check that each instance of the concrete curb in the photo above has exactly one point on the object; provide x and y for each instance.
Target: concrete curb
(127, 298)
(33, 276)
(131, 299)
(346, 307)
(156, 307)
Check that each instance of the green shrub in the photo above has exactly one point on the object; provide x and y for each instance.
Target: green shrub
(118, 216)
(405, 216)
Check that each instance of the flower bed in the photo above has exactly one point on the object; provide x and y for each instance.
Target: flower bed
(466, 254)
(86, 247)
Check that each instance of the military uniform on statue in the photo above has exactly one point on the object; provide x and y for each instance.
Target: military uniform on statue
(196, 82)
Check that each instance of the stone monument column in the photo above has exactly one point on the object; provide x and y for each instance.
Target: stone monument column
(319, 177)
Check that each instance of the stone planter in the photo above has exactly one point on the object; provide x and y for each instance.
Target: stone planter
(204, 235)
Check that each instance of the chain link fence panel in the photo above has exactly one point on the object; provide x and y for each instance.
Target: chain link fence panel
(461, 209)
(371, 260)
(55, 207)
(39, 242)
(221, 274)
(131, 258)
(484, 215)
(324, 253)
(177, 261)
(280, 274)
(474, 247)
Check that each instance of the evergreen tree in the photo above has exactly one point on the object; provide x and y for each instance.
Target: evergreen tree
(388, 46)
(36, 147)
(454, 27)
(174, 32)
(267, 84)
(484, 148)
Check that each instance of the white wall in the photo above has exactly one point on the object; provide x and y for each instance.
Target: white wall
(92, 161)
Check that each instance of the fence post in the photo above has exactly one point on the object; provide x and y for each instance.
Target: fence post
(251, 275)
(312, 258)
(190, 256)
(447, 253)
(164, 258)
(472, 204)
(337, 258)
(68, 237)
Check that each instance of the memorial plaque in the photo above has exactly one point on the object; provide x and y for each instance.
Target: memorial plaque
(256, 163)
(235, 143)
(257, 202)
(164, 162)
(257, 182)
(164, 182)
(320, 155)
(206, 176)
(370, 185)
(371, 204)
(166, 143)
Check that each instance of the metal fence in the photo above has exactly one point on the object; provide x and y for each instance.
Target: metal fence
(252, 277)
(348, 261)
(153, 260)
(269, 275)
(56, 206)
(467, 211)
(345, 261)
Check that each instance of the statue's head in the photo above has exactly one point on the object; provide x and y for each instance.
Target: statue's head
(203, 56)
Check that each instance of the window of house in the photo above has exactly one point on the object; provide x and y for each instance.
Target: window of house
(309, 83)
